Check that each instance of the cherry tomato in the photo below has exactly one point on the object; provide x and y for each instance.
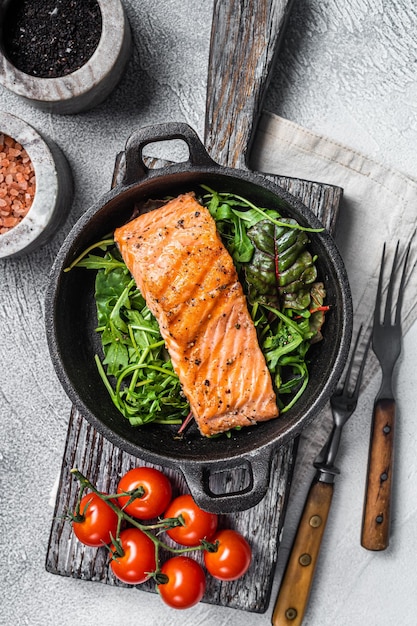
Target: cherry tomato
(186, 582)
(232, 558)
(157, 496)
(199, 524)
(99, 521)
(138, 560)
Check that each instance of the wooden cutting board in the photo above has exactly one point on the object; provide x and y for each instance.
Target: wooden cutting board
(245, 38)
(104, 463)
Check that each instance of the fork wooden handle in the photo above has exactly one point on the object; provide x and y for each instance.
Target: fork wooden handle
(298, 577)
(377, 505)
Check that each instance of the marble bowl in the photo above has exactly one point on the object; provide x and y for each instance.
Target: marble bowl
(89, 85)
(54, 189)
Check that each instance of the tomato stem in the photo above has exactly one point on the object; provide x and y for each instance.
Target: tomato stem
(160, 578)
(210, 547)
(164, 524)
(78, 516)
(133, 494)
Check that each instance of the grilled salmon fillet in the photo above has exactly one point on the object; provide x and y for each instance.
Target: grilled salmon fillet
(190, 284)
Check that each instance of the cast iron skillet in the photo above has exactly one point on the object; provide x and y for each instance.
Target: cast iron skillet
(71, 320)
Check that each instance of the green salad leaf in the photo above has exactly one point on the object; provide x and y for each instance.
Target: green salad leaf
(136, 368)
(281, 270)
(279, 276)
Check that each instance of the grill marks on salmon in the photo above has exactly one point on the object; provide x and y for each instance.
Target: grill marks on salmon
(190, 284)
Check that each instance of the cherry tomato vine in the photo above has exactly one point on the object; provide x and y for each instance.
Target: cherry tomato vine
(113, 520)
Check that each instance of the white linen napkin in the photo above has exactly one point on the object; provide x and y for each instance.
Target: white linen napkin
(379, 204)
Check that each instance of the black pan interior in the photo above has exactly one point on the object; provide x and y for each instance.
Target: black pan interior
(70, 318)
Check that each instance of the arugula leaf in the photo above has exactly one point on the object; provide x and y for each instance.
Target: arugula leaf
(135, 369)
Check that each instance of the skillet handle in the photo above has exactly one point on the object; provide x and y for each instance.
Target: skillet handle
(135, 168)
(253, 474)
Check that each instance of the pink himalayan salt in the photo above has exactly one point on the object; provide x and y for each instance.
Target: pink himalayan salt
(17, 183)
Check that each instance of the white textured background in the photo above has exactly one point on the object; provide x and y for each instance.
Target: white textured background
(347, 69)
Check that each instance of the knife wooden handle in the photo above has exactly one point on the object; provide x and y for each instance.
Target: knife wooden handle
(298, 576)
(245, 38)
(377, 505)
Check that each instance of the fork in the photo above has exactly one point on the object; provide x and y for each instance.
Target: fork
(296, 584)
(386, 343)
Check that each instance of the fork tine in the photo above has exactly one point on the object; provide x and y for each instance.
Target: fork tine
(401, 288)
(355, 392)
(350, 366)
(389, 298)
(388, 304)
(361, 368)
(378, 297)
